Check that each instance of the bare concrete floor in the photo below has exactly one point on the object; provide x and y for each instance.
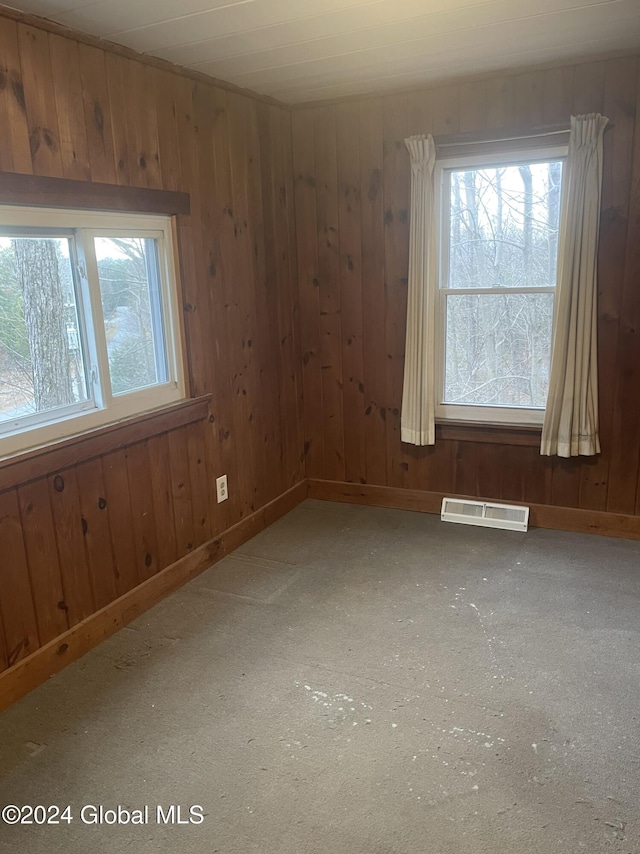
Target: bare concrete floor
(355, 681)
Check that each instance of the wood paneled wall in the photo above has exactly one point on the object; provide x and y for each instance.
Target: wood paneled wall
(78, 538)
(69, 109)
(74, 538)
(352, 179)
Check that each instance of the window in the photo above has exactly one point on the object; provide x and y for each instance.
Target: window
(497, 259)
(88, 322)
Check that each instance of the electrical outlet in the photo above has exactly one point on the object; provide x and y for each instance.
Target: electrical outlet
(221, 488)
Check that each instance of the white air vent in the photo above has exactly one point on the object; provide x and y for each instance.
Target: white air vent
(509, 516)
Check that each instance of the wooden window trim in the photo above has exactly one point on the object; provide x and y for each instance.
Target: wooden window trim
(40, 462)
(495, 152)
(491, 434)
(36, 190)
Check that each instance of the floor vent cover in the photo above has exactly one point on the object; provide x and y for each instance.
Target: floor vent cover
(509, 516)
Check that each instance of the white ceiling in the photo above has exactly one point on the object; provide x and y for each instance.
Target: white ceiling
(302, 50)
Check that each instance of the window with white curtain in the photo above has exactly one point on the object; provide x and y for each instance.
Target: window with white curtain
(497, 251)
(89, 322)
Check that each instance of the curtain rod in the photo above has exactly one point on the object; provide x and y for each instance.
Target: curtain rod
(536, 135)
(452, 140)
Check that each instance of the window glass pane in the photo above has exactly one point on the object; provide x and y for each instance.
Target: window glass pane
(503, 227)
(498, 348)
(132, 308)
(41, 359)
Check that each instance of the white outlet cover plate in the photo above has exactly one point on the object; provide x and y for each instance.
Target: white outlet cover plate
(221, 488)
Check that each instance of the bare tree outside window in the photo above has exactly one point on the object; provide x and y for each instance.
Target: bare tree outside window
(41, 365)
(502, 246)
(41, 358)
(89, 322)
(127, 270)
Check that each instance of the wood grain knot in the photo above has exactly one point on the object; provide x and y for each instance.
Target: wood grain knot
(18, 93)
(98, 116)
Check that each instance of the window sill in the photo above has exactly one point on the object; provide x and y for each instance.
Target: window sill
(39, 462)
(492, 434)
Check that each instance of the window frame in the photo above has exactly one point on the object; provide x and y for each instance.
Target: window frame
(102, 407)
(501, 154)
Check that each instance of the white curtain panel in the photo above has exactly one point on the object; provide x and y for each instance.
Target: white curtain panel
(418, 390)
(571, 416)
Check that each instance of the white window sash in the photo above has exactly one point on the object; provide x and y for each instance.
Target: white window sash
(102, 407)
(476, 413)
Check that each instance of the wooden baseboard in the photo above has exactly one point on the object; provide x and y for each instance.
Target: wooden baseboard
(32, 671)
(51, 658)
(541, 515)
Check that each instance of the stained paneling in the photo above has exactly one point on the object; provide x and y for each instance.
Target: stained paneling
(44, 570)
(350, 237)
(373, 288)
(72, 540)
(308, 281)
(330, 325)
(118, 499)
(40, 102)
(17, 610)
(293, 264)
(15, 153)
(74, 148)
(363, 141)
(396, 183)
(142, 510)
(67, 519)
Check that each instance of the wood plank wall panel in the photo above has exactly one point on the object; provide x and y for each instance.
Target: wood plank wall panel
(350, 235)
(308, 283)
(373, 288)
(17, 610)
(245, 388)
(208, 305)
(73, 540)
(67, 518)
(40, 102)
(372, 188)
(74, 146)
(623, 490)
(97, 113)
(44, 569)
(76, 539)
(222, 270)
(329, 291)
(279, 220)
(396, 186)
(15, 153)
(118, 498)
(265, 418)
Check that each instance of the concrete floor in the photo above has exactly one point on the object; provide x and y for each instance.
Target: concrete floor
(355, 681)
